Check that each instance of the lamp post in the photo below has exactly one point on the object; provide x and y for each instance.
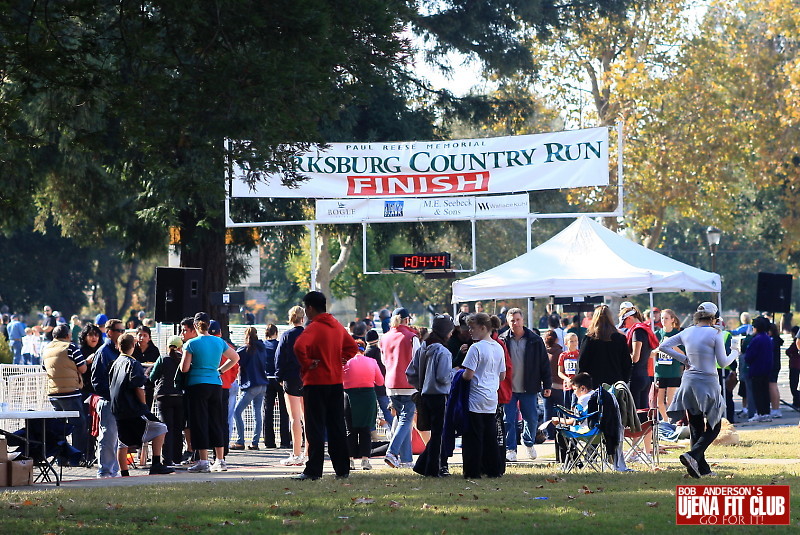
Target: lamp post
(713, 235)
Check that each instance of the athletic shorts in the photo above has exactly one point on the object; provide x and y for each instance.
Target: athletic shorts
(773, 375)
(133, 432)
(293, 387)
(668, 382)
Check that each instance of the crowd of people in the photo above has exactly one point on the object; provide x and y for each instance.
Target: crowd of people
(477, 376)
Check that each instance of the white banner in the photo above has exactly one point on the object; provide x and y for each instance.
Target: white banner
(443, 168)
(434, 209)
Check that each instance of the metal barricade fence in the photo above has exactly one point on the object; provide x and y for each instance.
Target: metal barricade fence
(22, 390)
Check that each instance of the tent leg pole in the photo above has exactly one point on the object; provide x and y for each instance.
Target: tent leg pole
(528, 240)
(474, 248)
(529, 243)
(530, 313)
(652, 323)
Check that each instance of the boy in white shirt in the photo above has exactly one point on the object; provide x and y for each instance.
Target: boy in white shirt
(485, 369)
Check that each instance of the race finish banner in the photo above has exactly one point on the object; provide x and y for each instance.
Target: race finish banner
(556, 160)
(434, 209)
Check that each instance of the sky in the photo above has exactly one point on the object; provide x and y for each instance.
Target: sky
(468, 73)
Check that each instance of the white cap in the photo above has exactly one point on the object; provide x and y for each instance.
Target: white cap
(624, 305)
(708, 307)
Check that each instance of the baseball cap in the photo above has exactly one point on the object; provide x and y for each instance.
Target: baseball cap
(624, 305)
(656, 309)
(214, 327)
(708, 307)
(402, 312)
(175, 341)
(628, 314)
(372, 335)
(100, 320)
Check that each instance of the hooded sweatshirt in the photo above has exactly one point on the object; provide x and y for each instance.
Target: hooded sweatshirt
(322, 348)
(253, 364)
(436, 376)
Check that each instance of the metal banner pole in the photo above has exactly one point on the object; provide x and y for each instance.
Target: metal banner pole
(312, 229)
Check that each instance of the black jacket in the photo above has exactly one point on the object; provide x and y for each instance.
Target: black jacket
(538, 375)
(606, 361)
(374, 352)
(287, 367)
(163, 375)
(125, 376)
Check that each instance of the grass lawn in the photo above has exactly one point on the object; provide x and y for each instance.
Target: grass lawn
(525, 500)
(764, 443)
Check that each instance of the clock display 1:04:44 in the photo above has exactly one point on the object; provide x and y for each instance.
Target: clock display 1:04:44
(421, 261)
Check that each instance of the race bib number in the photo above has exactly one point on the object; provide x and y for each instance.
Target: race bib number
(663, 358)
(570, 366)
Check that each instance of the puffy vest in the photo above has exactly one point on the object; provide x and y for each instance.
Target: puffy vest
(62, 374)
(397, 349)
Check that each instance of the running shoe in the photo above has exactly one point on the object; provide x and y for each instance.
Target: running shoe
(392, 460)
(219, 466)
(200, 467)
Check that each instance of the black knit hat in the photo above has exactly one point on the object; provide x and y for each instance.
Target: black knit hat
(442, 326)
(372, 336)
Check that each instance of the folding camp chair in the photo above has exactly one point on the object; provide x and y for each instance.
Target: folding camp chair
(45, 441)
(580, 444)
(635, 441)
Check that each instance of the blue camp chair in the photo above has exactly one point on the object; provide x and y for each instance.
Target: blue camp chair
(579, 440)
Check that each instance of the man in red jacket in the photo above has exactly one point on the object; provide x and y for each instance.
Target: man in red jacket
(322, 349)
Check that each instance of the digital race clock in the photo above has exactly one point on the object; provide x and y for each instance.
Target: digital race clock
(419, 261)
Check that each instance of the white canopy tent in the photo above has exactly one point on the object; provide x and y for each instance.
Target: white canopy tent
(585, 259)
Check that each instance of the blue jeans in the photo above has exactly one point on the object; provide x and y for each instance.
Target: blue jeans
(556, 398)
(751, 399)
(254, 395)
(529, 406)
(16, 349)
(74, 403)
(383, 403)
(233, 393)
(401, 439)
(107, 441)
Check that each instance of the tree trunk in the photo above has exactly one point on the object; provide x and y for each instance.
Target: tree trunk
(326, 270)
(127, 298)
(205, 248)
(107, 280)
(362, 304)
(323, 278)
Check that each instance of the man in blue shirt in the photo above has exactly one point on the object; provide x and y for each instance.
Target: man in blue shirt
(107, 442)
(16, 330)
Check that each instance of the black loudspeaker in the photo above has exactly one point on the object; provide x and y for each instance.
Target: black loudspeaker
(774, 292)
(178, 293)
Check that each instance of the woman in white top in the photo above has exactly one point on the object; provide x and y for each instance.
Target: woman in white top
(700, 395)
(485, 369)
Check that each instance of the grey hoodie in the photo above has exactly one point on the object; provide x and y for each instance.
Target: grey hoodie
(438, 369)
